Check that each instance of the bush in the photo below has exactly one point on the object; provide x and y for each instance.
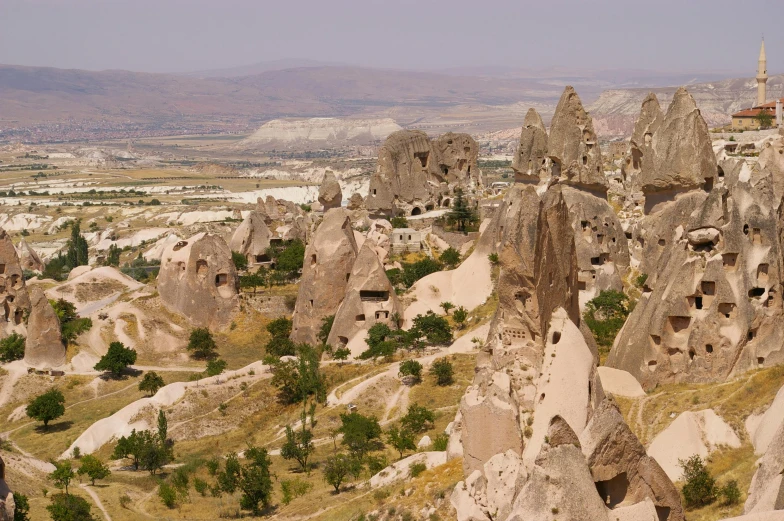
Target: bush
(67, 507)
(240, 261)
(418, 419)
(93, 468)
(435, 329)
(216, 367)
(700, 487)
(71, 325)
(151, 382)
(399, 222)
(200, 486)
(493, 258)
(168, 495)
(12, 348)
(414, 271)
(640, 280)
(416, 469)
(413, 369)
(731, 493)
(440, 442)
(22, 507)
(605, 315)
(116, 359)
(450, 257)
(443, 371)
(293, 488)
(201, 344)
(460, 316)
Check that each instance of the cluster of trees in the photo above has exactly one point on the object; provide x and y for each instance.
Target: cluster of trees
(700, 488)
(12, 348)
(287, 260)
(147, 450)
(605, 315)
(141, 269)
(411, 272)
(71, 325)
(428, 329)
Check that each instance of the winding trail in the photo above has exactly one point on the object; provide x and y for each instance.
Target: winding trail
(97, 500)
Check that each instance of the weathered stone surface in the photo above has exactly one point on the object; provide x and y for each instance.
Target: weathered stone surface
(28, 258)
(560, 433)
(621, 468)
(712, 303)
(43, 346)
(369, 299)
(330, 195)
(640, 155)
(329, 258)
(13, 292)
(767, 486)
(683, 158)
(573, 146)
(530, 162)
(457, 155)
(198, 280)
(252, 237)
(7, 503)
(356, 202)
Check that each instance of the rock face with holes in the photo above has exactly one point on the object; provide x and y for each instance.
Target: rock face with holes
(416, 174)
(329, 258)
(330, 195)
(369, 299)
(680, 149)
(573, 146)
(198, 280)
(13, 292)
(530, 163)
(621, 469)
(640, 154)
(252, 238)
(711, 306)
(43, 346)
(28, 258)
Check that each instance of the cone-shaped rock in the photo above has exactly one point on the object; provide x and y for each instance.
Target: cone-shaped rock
(43, 346)
(329, 257)
(252, 237)
(530, 160)
(28, 258)
(330, 195)
(370, 299)
(641, 155)
(198, 280)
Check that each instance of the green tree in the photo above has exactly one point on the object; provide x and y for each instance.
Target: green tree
(47, 407)
(299, 443)
(255, 279)
(414, 271)
(77, 247)
(700, 488)
(116, 359)
(293, 488)
(446, 306)
(443, 371)
(413, 369)
(401, 440)
(459, 316)
(435, 329)
(255, 481)
(326, 328)
(151, 382)
(301, 379)
(450, 257)
(229, 477)
(399, 222)
(12, 348)
(62, 474)
(338, 467)
(290, 260)
(361, 434)
(342, 354)
(280, 346)
(216, 367)
(65, 507)
(71, 325)
(764, 119)
(240, 261)
(280, 327)
(22, 509)
(93, 468)
(167, 494)
(128, 447)
(605, 315)
(113, 256)
(461, 213)
(417, 419)
(201, 344)
(731, 493)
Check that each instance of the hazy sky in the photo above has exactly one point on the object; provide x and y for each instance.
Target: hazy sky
(184, 35)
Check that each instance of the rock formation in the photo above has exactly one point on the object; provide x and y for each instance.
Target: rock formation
(28, 258)
(44, 345)
(767, 486)
(252, 238)
(641, 144)
(198, 280)
(573, 146)
(416, 174)
(530, 162)
(7, 503)
(330, 195)
(13, 291)
(369, 299)
(356, 202)
(329, 258)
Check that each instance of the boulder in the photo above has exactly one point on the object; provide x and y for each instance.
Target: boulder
(424, 442)
(530, 163)
(198, 280)
(356, 202)
(252, 238)
(44, 345)
(28, 258)
(329, 258)
(620, 467)
(573, 146)
(330, 195)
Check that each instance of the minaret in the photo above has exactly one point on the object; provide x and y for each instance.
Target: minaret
(762, 75)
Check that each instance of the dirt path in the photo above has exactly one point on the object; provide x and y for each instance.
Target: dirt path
(97, 500)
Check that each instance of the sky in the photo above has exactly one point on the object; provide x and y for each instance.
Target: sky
(192, 35)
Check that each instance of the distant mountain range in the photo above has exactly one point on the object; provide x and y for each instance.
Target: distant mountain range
(40, 104)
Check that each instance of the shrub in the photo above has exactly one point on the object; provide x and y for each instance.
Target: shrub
(443, 371)
(493, 258)
(151, 382)
(12, 348)
(216, 367)
(200, 486)
(93, 468)
(125, 501)
(417, 419)
(67, 507)
(460, 316)
(640, 280)
(414, 271)
(413, 369)
(293, 488)
(71, 325)
(399, 222)
(416, 469)
(240, 261)
(201, 344)
(700, 487)
(450, 257)
(168, 495)
(342, 354)
(731, 493)
(605, 315)
(22, 507)
(440, 442)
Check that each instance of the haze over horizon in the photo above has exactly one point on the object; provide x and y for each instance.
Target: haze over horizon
(570, 35)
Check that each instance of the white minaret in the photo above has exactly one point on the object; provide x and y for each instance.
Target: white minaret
(762, 75)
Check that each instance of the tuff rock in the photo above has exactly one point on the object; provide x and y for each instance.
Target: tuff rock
(330, 195)
(44, 346)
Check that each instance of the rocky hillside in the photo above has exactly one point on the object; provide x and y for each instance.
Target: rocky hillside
(615, 111)
(319, 132)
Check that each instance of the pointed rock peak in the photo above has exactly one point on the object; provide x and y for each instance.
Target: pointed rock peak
(682, 102)
(569, 102)
(560, 433)
(650, 105)
(533, 119)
